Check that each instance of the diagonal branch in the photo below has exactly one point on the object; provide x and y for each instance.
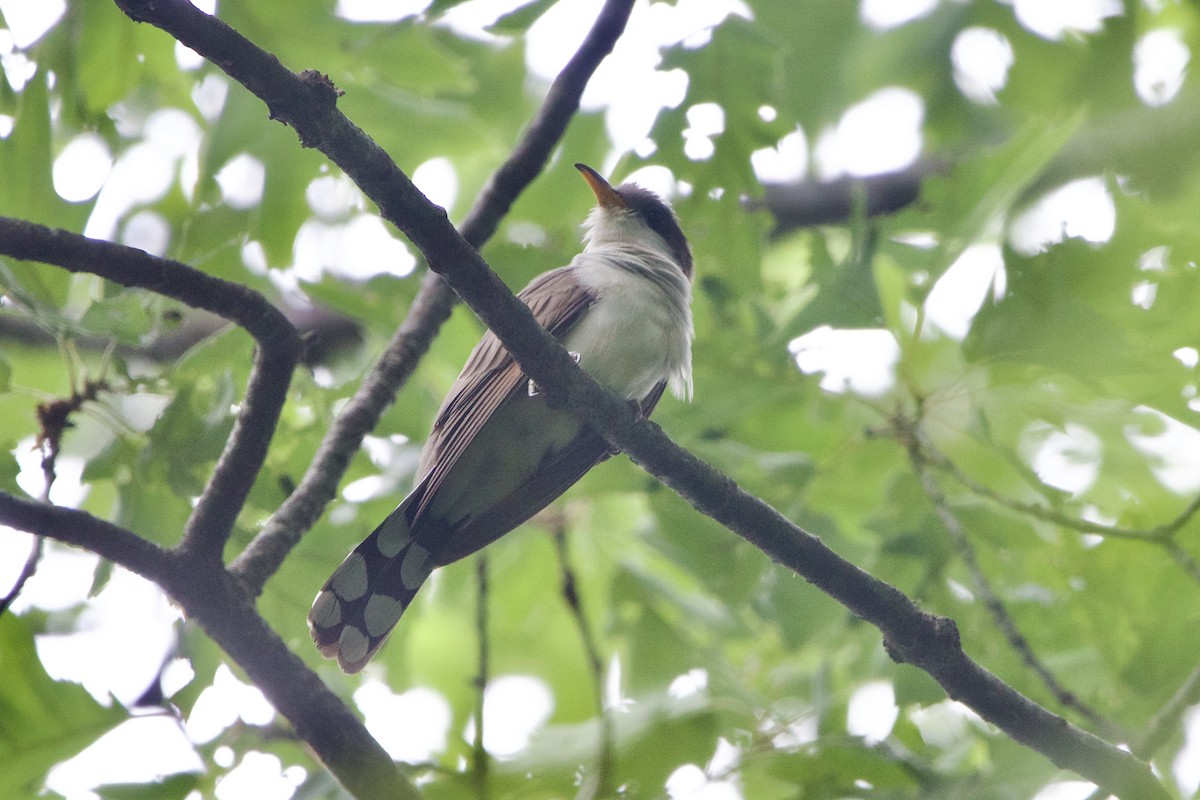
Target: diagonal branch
(213, 598)
(279, 348)
(1001, 617)
(430, 309)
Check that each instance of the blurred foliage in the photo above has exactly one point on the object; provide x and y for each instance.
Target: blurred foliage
(1087, 349)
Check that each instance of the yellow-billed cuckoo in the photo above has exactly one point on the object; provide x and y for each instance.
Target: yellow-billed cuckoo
(498, 453)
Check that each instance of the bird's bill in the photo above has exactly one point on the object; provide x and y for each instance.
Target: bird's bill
(606, 195)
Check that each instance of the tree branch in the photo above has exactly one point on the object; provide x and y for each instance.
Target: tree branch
(810, 202)
(279, 348)
(430, 309)
(214, 599)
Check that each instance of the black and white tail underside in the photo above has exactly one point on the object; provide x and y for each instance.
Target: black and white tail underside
(365, 596)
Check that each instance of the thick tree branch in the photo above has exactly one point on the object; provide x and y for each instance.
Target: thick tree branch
(810, 202)
(279, 348)
(430, 309)
(81, 529)
(213, 598)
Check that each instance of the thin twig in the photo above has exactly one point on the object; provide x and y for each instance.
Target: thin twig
(995, 607)
(54, 418)
(1155, 534)
(597, 783)
(27, 571)
(1161, 535)
(482, 762)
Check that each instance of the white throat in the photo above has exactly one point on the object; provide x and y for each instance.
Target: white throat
(639, 331)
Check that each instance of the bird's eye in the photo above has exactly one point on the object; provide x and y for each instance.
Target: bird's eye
(656, 219)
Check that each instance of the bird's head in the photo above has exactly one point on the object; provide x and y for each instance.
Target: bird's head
(632, 215)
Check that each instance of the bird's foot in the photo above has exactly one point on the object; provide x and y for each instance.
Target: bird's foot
(533, 388)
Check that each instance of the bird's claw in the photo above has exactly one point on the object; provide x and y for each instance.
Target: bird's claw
(533, 389)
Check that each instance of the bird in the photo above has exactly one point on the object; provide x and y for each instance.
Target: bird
(498, 453)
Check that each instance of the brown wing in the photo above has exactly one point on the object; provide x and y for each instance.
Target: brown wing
(491, 376)
(553, 477)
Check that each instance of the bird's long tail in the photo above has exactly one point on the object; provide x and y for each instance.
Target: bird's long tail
(363, 600)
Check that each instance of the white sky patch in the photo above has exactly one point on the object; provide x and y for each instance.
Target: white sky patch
(1187, 762)
(958, 294)
(884, 14)
(556, 35)
(705, 121)
(1060, 18)
(68, 489)
(1066, 790)
(981, 58)
(689, 782)
(412, 726)
(358, 249)
(160, 746)
(1143, 294)
(187, 59)
(209, 95)
(333, 197)
(872, 711)
(514, 707)
(862, 361)
(122, 638)
(18, 68)
(437, 180)
(1188, 356)
(880, 134)
(63, 579)
(223, 703)
(656, 178)
(241, 181)
(81, 168)
(1082, 208)
(1173, 452)
(147, 230)
(28, 21)
(1066, 459)
(786, 162)
(145, 172)
(694, 681)
(1160, 60)
(380, 10)
(943, 724)
(260, 776)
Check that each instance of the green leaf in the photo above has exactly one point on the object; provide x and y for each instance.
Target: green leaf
(42, 721)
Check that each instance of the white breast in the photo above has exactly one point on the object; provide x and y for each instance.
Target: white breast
(639, 330)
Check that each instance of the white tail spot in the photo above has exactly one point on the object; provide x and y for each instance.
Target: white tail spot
(381, 613)
(350, 580)
(415, 568)
(326, 610)
(352, 646)
(392, 537)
